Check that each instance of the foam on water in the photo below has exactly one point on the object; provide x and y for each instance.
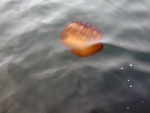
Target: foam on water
(104, 41)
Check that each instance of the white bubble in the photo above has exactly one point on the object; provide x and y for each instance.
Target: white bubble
(128, 80)
(142, 102)
(121, 68)
(130, 65)
(131, 86)
(128, 107)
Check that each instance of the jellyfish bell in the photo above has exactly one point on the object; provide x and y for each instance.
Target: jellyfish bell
(82, 39)
(88, 51)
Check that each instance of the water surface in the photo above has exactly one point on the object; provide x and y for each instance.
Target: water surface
(40, 75)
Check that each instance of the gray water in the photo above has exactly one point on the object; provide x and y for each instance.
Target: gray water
(40, 75)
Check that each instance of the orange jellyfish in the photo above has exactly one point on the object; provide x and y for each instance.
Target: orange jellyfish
(78, 37)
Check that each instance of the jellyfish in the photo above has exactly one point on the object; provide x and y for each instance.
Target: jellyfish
(80, 38)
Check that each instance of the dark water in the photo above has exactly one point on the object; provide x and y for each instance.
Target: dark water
(39, 75)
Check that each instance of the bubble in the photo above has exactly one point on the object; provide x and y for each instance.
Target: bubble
(131, 86)
(130, 65)
(128, 80)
